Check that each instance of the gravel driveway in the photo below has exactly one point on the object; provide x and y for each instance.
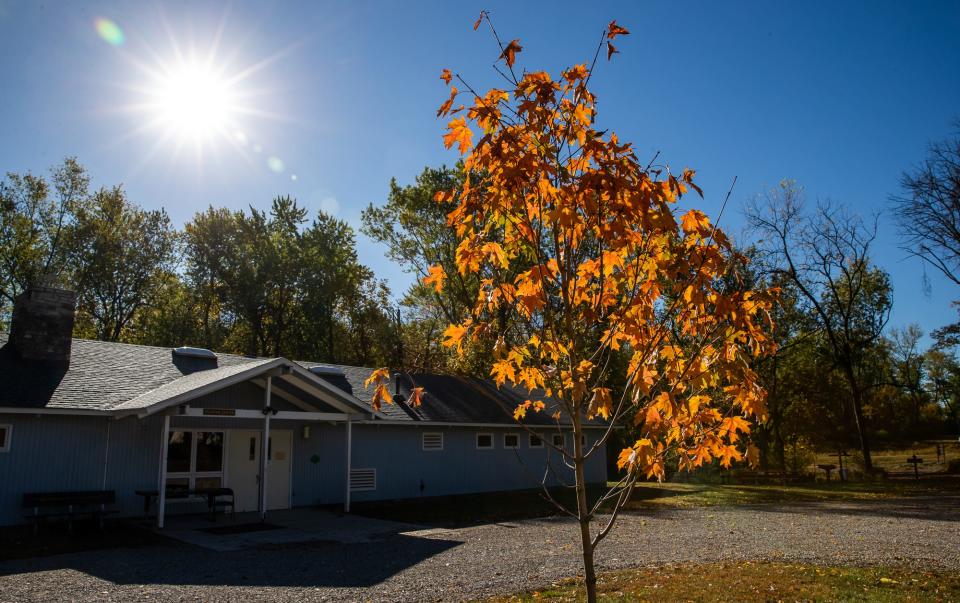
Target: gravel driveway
(499, 558)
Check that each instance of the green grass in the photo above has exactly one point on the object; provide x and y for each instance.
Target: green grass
(493, 507)
(749, 582)
(698, 495)
(895, 460)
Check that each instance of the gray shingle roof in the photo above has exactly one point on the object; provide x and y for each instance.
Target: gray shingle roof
(116, 377)
(188, 383)
(450, 398)
(102, 375)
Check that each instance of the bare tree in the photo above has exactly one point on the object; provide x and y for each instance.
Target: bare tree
(826, 255)
(928, 208)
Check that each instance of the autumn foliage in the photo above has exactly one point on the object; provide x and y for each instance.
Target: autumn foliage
(608, 268)
(585, 248)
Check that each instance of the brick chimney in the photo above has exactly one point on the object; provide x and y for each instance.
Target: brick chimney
(42, 324)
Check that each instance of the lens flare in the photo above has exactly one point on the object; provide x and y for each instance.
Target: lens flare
(275, 164)
(109, 31)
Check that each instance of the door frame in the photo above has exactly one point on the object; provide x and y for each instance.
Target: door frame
(226, 463)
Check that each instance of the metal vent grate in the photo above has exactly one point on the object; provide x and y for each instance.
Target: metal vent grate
(432, 441)
(331, 371)
(363, 479)
(194, 353)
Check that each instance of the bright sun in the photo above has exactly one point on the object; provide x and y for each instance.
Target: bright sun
(192, 101)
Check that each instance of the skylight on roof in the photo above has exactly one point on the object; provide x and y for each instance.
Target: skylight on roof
(326, 370)
(194, 353)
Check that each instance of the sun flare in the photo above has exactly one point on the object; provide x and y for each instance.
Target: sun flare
(193, 101)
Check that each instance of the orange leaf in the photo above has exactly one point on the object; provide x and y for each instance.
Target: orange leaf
(611, 50)
(459, 133)
(479, 20)
(509, 53)
(614, 30)
(601, 404)
(446, 76)
(415, 396)
(454, 335)
(503, 371)
(447, 104)
(436, 278)
(694, 221)
(378, 379)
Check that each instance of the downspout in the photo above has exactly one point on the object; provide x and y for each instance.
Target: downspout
(346, 493)
(106, 455)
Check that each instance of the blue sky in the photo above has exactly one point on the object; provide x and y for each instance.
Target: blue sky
(839, 96)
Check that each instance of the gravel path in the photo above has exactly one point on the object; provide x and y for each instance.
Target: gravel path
(499, 558)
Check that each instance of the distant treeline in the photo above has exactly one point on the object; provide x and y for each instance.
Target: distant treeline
(255, 282)
(280, 282)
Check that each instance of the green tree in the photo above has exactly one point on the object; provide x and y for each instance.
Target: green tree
(37, 217)
(173, 320)
(120, 255)
(333, 279)
(826, 256)
(208, 239)
(413, 225)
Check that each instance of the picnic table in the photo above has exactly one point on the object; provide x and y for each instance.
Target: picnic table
(916, 462)
(217, 498)
(827, 468)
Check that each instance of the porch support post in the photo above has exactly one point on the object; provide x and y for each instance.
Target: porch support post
(346, 489)
(265, 448)
(162, 479)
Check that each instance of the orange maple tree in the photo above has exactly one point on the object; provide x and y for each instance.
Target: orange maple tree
(610, 270)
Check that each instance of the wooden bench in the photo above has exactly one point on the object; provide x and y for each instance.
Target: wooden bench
(68, 505)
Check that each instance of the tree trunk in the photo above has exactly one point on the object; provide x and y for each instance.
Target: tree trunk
(589, 573)
(583, 513)
(776, 420)
(859, 420)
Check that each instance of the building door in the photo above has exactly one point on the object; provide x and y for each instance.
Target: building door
(244, 469)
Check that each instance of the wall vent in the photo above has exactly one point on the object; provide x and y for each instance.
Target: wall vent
(432, 441)
(363, 479)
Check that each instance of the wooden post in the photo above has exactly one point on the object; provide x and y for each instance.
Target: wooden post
(346, 490)
(162, 479)
(265, 448)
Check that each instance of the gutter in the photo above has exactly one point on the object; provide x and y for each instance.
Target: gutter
(394, 422)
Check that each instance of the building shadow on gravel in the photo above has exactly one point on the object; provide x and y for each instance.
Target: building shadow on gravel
(305, 565)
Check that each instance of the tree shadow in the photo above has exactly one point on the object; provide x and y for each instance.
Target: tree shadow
(310, 564)
(941, 507)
